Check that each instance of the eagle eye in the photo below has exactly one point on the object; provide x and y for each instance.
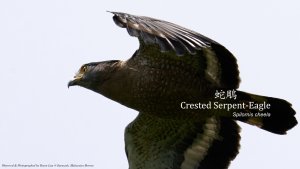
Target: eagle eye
(83, 69)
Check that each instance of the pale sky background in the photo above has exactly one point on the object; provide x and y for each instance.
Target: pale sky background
(44, 42)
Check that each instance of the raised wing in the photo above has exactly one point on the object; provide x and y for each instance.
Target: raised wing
(153, 142)
(219, 64)
(167, 35)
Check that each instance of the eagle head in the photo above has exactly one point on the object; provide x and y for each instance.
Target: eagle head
(93, 75)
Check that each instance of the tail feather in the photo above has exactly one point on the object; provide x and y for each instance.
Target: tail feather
(281, 114)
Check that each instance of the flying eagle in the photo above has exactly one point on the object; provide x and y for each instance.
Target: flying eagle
(172, 66)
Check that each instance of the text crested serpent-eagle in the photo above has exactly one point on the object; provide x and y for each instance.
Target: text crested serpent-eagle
(176, 80)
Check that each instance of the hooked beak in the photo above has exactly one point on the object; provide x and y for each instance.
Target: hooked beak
(72, 82)
(75, 81)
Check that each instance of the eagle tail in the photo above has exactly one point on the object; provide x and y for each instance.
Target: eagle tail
(277, 117)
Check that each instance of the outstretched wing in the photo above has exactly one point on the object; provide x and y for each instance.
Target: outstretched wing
(219, 64)
(157, 143)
